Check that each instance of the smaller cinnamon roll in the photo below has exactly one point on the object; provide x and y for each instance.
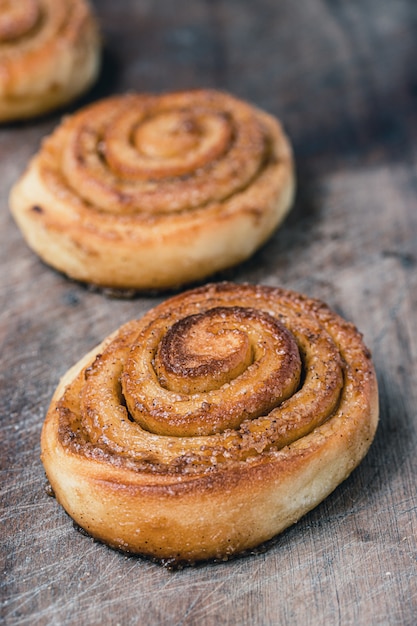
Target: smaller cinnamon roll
(149, 192)
(211, 424)
(49, 55)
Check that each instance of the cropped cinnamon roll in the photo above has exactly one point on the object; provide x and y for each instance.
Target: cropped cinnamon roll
(49, 54)
(211, 424)
(147, 192)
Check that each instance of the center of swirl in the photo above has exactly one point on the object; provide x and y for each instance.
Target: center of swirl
(199, 354)
(17, 18)
(210, 371)
(168, 135)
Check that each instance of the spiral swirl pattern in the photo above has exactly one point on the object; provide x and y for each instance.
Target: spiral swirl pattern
(49, 54)
(227, 392)
(144, 191)
(166, 154)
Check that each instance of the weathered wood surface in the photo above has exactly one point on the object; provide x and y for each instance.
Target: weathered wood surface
(342, 76)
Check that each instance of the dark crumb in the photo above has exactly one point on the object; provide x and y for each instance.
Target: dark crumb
(80, 529)
(48, 490)
(71, 298)
(407, 259)
(37, 209)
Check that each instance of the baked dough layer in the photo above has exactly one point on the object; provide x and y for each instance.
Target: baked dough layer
(212, 423)
(49, 55)
(150, 192)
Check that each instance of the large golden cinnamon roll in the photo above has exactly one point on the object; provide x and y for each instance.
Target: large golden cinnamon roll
(49, 54)
(211, 424)
(150, 192)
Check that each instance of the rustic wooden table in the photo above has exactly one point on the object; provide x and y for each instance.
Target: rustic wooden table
(341, 74)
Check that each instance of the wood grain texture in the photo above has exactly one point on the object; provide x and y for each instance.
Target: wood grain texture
(341, 76)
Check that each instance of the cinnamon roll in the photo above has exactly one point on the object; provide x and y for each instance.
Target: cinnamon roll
(49, 54)
(150, 192)
(212, 423)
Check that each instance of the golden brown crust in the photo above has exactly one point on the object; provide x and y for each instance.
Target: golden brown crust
(150, 192)
(230, 463)
(49, 55)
